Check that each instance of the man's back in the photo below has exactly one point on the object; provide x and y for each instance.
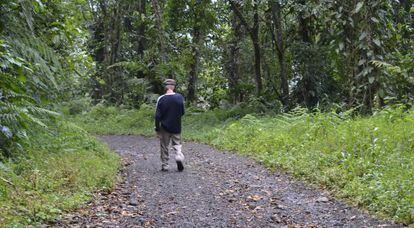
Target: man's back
(170, 109)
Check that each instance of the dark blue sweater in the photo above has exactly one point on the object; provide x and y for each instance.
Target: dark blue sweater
(169, 110)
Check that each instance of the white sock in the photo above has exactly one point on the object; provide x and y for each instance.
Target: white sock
(179, 156)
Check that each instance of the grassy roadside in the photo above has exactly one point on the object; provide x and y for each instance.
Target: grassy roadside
(58, 171)
(367, 160)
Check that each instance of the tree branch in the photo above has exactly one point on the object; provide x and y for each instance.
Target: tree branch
(237, 11)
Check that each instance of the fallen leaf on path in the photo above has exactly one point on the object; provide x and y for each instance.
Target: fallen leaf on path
(255, 197)
(322, 199)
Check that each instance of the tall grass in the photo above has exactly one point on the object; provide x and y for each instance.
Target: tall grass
(367, 160)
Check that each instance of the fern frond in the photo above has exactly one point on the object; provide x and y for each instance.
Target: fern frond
(12, 96)
(42, 111)
(9, 119)
(32, 119)
(388, 67)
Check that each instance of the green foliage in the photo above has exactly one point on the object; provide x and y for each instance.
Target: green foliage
(75, 106)
(330, 51)
(58, 172)
(112, 120)
(356, 53)
(36, 43)
(399, 79)
(47, 165)
(18, 109)
(312, 75)
(367, 160)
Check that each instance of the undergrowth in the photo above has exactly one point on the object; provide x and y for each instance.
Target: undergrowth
(367, 160)
(58, 171)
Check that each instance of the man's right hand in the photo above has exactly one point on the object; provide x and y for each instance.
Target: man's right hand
(157, 131)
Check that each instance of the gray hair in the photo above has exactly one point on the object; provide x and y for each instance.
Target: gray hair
(172, 87)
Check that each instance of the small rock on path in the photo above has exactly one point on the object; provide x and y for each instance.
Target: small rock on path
(216, 189)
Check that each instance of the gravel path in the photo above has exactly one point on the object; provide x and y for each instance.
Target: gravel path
(216, 189)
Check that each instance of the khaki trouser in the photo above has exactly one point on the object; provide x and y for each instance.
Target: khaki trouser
(165, 138)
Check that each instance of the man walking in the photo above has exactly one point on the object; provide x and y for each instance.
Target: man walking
(169, 110)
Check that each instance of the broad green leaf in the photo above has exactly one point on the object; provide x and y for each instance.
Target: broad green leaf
(39, 2)
(22, 77)
(381, 92)
(363, 35)
(371, 79)
(341, 46)
(377, 42)
(358, 7)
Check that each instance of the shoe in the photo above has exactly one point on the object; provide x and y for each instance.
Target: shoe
(164, 168)
(180, 166)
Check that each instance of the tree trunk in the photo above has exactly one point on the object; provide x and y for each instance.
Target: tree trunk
(114, 45)
(232, 63)
(193, 74)
(141, 29)
(351, 50)
(304, 30)
(308, 84)
(254, 36)
(107, 33)
(280, 47)
(158, 23)
(256, 45)
(372, 87)
(257, 68)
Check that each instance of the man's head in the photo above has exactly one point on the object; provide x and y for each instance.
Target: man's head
(169, 84)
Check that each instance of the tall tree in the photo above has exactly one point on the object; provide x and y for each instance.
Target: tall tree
(232, 63)
(195, 19)
(254, 36)
(157, 8)
(277, 35)
(197, 33)
(195, 62)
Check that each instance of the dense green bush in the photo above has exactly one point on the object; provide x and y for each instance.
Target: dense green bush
(368, 160)
(78, 106)
(42, 61)
(59, 171)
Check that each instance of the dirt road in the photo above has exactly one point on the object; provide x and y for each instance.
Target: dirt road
(216, 189)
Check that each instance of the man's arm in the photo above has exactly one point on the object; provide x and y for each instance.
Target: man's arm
(182, 107)
(158, 115)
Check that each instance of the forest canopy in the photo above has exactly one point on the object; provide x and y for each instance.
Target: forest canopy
(322, 54)
(356, 54)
